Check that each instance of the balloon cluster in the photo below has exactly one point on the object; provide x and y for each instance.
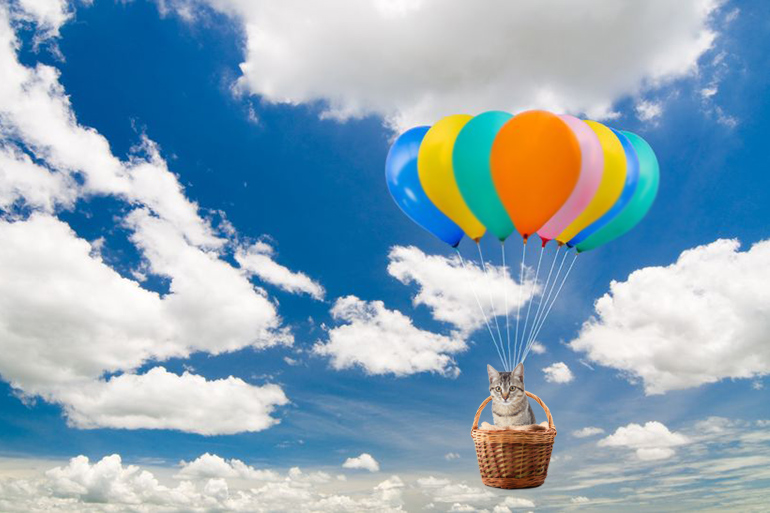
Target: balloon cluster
(577, 182)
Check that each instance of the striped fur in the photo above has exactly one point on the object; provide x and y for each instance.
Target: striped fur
(510, 406)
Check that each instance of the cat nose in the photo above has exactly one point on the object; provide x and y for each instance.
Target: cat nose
(505, 396)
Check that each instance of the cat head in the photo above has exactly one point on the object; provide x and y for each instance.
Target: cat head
(506, 387)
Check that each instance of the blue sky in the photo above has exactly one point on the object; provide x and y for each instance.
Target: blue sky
(287, 152)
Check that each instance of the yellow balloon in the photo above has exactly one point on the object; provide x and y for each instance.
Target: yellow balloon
(437, 177)
(611, 186)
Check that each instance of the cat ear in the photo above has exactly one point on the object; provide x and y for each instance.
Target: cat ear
(518, 372)
(493, 374)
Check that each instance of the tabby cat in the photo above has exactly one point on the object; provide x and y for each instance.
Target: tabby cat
(510, 406)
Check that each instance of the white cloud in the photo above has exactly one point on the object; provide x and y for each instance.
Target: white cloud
(447, 288)
(207, 466)
(648, 110)
(451, 456)
(580, 499)
(517, 503)
(298, 475)
(67, 318)
(699, 320)
(432, 482)
(217, 308)
(22, 180)
(587, 431)
(110, 485)
(459, 492)
(365, 462)
(723, 467)
(538, 348)
(106, 481)
(435, 58)
(558, 373)
(49, 15)
(708, 92)
(383, 341)
(462, 508)
(159, 399)
(653, 441)
(258, 260)
(462, 496)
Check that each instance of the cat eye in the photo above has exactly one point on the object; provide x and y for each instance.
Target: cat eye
(512, 388)
(497, 388)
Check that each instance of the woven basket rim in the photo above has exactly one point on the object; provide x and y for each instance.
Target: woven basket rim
(551, 426)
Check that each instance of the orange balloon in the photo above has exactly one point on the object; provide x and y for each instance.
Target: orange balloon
(535, 164)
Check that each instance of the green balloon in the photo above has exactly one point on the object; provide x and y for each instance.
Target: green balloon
(640, 203)
(470, 160)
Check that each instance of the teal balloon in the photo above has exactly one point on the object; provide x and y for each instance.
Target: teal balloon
(640, 202)
(470, 160)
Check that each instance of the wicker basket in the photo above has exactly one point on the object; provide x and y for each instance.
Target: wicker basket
(513, 459)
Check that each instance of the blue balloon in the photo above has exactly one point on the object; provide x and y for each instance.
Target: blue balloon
(632, 179)
(404, 186)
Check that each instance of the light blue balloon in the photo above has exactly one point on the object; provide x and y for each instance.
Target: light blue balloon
(473, 174)
(632, 179)
(404, 186)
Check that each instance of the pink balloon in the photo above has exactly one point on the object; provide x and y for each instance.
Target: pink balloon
(591, 168)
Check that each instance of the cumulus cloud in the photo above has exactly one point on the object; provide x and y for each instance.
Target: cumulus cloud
(447, 288)
(435, 58)
(365, 461)
(24, 181)
(702, 319)
(558, 373)
(653, 441)
(451, 456)
(451, 492)
(432, 482)
(159, 399)
(383, 341)
(111, 485)
(587, 431)
(68, 319)
(258, 260)
(514, 503)
(462, 496)
(207, 466)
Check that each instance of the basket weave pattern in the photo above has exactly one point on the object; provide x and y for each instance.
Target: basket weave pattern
(513, 459)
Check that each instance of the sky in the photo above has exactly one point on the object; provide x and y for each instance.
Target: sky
(210, 302)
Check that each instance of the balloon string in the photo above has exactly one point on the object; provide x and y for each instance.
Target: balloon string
(505, 284)
(529, 305)
(483, 313)
(489, 294)
(553, 287)
(542, 296)
(555, 297)
(518, 304)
